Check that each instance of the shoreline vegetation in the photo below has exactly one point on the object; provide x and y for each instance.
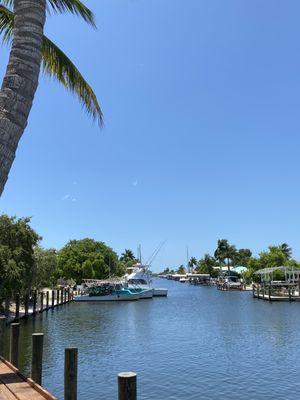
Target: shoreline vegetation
(229, 260)
(26, 267)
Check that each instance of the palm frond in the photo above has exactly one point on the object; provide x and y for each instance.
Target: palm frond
(6, 23)
(74, 7)
(58, 65)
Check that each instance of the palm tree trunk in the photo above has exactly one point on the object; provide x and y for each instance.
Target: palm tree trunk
(21, 79)
(228, 266)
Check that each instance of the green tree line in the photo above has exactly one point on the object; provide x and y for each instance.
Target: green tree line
(227, 255)
(25, 265)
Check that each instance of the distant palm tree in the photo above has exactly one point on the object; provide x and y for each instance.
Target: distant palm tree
(286, 249)
(127, 255)
(24, 26)
(225, 251)
(192, 262)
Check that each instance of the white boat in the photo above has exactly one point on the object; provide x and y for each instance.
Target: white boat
(138, 276)
(233, 282)
(183, 280)
(108, 292)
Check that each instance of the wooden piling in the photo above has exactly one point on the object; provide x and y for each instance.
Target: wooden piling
(37, 357)
(62, 296)
(290, 295)
(47, 300)
(52, 298)
(34, 302)
(270, 293)
(17, 313)
(14, 344)
(70, 373)
(57, 297)
(127, 386)
(26, 305)
(41, 301)
(2, 334)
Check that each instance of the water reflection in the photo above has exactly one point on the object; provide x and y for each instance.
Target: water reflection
(198, 342)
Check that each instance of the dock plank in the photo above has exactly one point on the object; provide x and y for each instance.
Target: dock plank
(5, 393)
(13, 386)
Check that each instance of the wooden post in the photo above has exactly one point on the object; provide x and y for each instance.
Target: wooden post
(127, 386)
(61, 296)
(47, 300)
(52, 299)
(269, 292)
(2, 334)
(37, 357)
(71, 367)
(253, 295)
(42, 302)
(26, 304)
(57, 297)
(14, 344)
(17, 314)
(290, 295)
(34, 302)
(258, 291)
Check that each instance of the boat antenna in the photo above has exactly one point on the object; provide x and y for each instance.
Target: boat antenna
(187, 259)
(155, 253)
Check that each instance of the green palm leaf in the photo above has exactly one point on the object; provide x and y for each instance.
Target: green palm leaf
(6, 23)
(58, 65)
(73, 6)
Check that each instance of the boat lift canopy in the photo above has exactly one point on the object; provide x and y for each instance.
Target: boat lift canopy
(291, 274)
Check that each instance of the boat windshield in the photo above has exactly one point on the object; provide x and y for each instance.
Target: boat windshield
(233, 279)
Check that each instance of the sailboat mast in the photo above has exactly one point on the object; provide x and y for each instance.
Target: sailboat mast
(187, 259)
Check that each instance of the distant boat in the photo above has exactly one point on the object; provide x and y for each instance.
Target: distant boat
(138, 276)
(108, 292)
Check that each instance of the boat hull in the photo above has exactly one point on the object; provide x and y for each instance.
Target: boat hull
(110, 297)
(143, 293)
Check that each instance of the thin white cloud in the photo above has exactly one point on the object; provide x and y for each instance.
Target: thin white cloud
(66, 197)
(74, 199)
(134, 183)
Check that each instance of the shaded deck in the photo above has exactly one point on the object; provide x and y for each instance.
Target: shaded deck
(13, 385)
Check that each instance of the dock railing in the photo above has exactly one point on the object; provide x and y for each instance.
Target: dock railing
(36, 302)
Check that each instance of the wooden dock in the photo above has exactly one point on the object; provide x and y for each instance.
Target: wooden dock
(265, 296)
(40, 302)
(14, 386)
(269, 294)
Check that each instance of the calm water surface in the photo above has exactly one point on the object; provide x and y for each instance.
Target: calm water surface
(199, 343)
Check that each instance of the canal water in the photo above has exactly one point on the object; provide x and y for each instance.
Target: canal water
(199, 343)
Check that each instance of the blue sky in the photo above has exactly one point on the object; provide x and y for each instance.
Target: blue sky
(201, 137)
